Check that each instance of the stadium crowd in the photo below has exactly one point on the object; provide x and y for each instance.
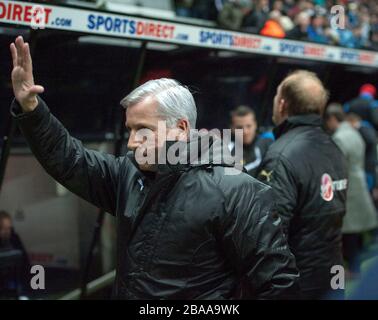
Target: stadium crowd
(295, 19)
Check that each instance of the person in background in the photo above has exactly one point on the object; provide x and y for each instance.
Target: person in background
(301, 6)
(8, 237)
(308, 174)
(289, 5)
(369, 136)
(299, 32)
(273, 27)
(316, 30)
(348, 36)
(352, 14)
(256, 19)
(9, 240)
(279, 6)
(374, 40)
(365, 27)
(374, 32)
(183, 8)
(367, 289)
(199, 9)
(285, 21)
(254, 146)
(365, 106)
(232, 14)
(360, 214)
(206, 10)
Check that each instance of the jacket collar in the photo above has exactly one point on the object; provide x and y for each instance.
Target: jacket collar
(297, 121)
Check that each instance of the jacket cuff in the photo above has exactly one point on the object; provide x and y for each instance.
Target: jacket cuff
(34, 116)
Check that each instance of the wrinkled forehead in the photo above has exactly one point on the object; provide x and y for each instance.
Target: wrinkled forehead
(144, 111)
(243, 120)
(146, 106)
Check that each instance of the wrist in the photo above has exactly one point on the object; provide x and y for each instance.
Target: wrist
(29, 105)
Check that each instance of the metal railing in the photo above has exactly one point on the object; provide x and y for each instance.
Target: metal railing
(92, 287)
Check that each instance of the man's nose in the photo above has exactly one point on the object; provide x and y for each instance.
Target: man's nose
(132, 144)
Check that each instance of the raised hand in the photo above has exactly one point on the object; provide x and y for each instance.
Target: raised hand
(24, 88)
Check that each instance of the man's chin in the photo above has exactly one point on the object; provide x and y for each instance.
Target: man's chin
(248, 142)
(147, 167)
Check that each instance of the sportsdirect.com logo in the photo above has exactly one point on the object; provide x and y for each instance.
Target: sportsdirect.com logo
(328, 187)
(36, 15)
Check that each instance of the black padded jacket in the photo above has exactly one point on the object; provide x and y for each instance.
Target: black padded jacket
(191, 232)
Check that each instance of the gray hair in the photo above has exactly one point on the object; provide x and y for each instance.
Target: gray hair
(175, 101)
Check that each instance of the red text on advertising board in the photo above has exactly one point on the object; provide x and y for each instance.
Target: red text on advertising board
(21, 13)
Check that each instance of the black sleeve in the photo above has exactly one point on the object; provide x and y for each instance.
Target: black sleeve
(277, 172)
(90, 174)
(265, 144)
(374, 117)
(371, 160)
(255, 243)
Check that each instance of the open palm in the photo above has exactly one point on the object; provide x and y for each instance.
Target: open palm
(24, 88)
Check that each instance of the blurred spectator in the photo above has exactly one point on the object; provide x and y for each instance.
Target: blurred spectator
(361, 20)
(374, 32)
(232, 14)
(299, 32)
(9, 240)
(254, 15)
(278, 5)
(286, 23)
(367, 289)
(348, 37)
(353, 14)
(273, 27)
(374, 41)
(316, 30)
(288, 5)
(302, 6)
(369, 136)
(258, 16)
(184, 8)
(254, 146)
(206, 10)
(360, 212)
(365, 106)
(365, 29)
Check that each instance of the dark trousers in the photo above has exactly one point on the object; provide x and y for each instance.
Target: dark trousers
(352, 247)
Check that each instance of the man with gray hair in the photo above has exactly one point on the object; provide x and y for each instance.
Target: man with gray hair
(308, 174)
(185, 230)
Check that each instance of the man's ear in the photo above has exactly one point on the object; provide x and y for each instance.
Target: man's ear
(282, 107)
(184, 128)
